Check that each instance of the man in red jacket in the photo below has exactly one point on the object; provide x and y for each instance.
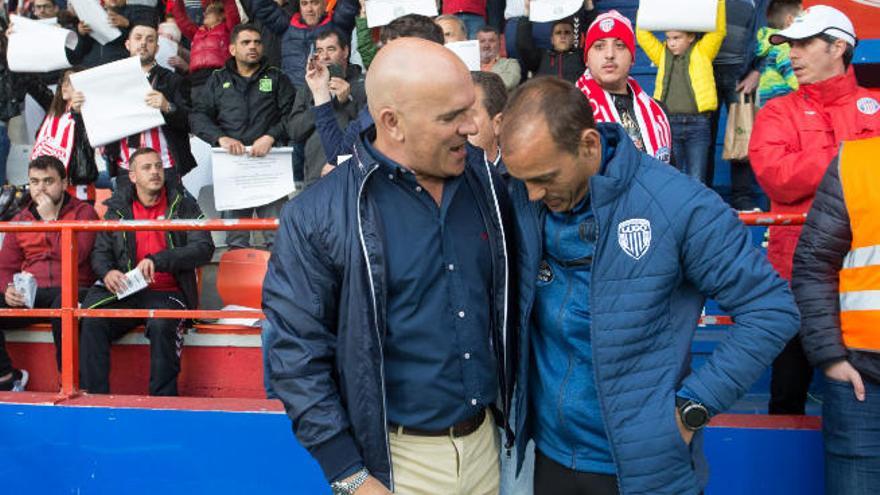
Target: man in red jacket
(794, 139)
(39, 253)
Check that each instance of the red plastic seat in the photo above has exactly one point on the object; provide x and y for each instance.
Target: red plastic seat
(240, 277)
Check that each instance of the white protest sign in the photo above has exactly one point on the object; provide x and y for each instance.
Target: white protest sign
(553, 10)
(91, 13)
(246, 182)
(114, 101)
(381, 12)
(468, 52)
(678, 15)
(200, 176)
(167, 49)
(38, 47)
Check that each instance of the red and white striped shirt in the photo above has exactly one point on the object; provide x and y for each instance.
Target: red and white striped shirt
(151, 138)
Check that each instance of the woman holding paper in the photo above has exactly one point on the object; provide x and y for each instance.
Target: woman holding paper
(63, 136)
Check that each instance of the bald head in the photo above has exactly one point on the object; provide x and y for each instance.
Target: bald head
(420, 94)
(405, 67)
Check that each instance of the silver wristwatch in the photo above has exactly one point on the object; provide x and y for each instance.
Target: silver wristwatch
(349, 487)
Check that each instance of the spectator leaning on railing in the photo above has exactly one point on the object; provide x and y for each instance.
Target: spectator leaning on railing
(39, 253)
(245, 104)
(168, 263)
(794, 139)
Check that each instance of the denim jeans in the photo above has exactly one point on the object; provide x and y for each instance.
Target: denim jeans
(691, 135)
(4, 151)
(267, 336)
(851, 430)
(472, 23)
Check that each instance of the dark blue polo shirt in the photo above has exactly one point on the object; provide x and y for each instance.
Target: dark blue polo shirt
(439, 364)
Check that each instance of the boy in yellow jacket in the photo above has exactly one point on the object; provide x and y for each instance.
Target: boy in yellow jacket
(686, 86)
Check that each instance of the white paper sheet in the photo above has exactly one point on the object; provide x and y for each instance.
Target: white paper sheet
(134, 282)
(167, 49)
(678, 15)
(38, 47)
(200, 176)
(552, 10)
(114, 106)
(246, 322)
(381, 12)
(91, 12)
(246, 182)
(468, 52)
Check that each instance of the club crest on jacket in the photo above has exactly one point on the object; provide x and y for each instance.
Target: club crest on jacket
(634, 237)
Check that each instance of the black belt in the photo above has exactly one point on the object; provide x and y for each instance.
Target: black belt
(461, 429)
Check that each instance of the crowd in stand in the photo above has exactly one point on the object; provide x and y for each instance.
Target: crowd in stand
(252, 75)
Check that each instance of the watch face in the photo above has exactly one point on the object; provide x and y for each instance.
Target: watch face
(695, 416)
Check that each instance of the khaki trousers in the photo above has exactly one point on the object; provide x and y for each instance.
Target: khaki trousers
(445, 465)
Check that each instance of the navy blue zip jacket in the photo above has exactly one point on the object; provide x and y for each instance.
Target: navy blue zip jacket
(664, 243)
(325, 297)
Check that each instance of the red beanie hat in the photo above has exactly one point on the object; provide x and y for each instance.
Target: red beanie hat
(611, 25)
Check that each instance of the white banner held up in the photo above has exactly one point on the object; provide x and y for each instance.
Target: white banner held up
(678, 15)
(247, 182)
(91, 13)
(167, 49)
(552, 10)
(114, 106)
(38, 47)
(381, 12)
(468, 52)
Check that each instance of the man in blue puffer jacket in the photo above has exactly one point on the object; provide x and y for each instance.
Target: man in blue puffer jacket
(617, 252)
(298, 32)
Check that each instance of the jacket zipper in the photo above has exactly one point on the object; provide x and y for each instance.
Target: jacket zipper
(375, 316)
(599, 393)
(504, 356)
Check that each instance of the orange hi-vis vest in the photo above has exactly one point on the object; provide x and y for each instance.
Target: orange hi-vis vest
(860, 275)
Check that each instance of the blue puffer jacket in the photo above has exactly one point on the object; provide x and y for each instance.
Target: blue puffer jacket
(645, 304)
(298, 38)
(325, 298)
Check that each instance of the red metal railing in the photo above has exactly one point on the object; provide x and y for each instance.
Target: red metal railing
(69, 310)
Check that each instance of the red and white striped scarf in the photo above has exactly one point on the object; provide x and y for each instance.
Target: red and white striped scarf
(56, 138)
(151, 138)
(653, 124)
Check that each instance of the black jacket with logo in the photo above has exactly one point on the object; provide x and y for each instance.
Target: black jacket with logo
(243, 108)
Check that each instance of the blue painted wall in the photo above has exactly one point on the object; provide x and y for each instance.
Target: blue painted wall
(98, 450)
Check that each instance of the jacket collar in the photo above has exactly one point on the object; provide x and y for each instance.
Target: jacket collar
(618, 167)
(233, 69)
(831, 90)
(297, 22)
(124, 196)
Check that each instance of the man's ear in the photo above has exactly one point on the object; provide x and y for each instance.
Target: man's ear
(590, 143)
(389, 121)
(496, 124)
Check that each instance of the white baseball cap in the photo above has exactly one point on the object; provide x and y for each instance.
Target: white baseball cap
(816, 20)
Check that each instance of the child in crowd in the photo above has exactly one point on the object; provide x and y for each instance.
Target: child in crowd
(565, 60)
(777, 77)
(686, 86)
(210, 41)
